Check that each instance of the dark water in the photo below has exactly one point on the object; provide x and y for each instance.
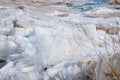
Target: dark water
(2, 63)
(91, 4)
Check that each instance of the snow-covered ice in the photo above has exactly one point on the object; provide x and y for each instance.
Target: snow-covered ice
(54, 41)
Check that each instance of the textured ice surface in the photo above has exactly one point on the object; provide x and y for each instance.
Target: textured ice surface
(38, 45)
(34, 35)
(30, 41)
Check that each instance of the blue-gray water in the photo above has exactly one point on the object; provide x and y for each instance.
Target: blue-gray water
(101, 1)
(90, 4)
